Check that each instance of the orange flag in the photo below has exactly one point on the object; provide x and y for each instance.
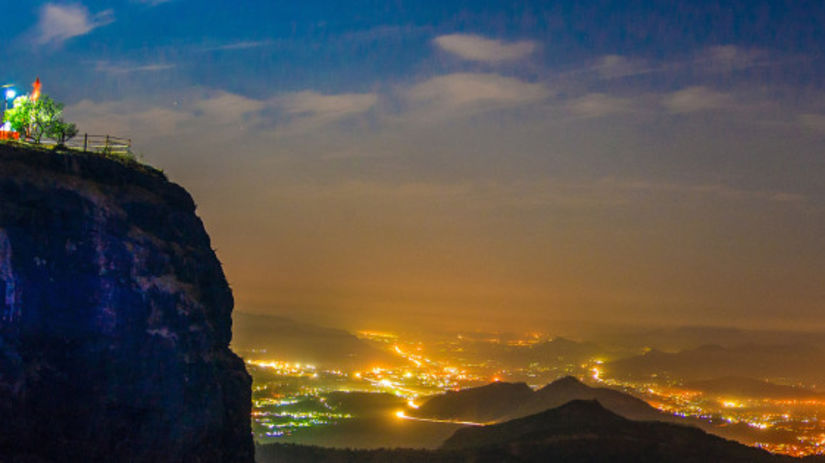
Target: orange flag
(36, 89)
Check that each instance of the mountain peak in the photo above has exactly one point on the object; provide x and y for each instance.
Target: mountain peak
(572, 417)
(565, 383)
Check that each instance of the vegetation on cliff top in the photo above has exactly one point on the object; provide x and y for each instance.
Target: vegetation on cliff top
(32, 119)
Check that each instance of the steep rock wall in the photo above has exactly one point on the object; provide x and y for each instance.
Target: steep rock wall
(115, 319)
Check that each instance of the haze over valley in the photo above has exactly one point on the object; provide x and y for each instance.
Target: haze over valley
(374, 389)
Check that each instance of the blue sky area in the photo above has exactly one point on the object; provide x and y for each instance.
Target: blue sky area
(507, 163)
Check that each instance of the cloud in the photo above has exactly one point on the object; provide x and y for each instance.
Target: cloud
(127, 68)
(462, 90)
(728, 58)
(617, 66)
(718, 190)
(597, 105)
(241, 45)
(204, 118)
(814, 122)
(303, 112)
(124, 119)
(227, 108)
(327, 107)
(477, 48)
(151, 2)
(59, 23)
(694, 99)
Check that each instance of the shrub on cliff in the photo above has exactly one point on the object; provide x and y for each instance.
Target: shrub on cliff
(40, 118)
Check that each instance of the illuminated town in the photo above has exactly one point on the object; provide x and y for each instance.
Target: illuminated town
(295, 397)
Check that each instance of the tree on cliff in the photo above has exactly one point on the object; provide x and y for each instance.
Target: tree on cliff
(38, 118)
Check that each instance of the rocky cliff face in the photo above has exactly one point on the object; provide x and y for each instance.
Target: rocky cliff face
(114, 319)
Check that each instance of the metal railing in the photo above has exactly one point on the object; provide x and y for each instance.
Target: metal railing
(105, 144)
(100, 144)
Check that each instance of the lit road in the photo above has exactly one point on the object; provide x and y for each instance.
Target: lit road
(404, 416)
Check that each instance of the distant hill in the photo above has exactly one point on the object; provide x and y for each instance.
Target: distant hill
(499, 402)
(586, 431)
(737, 386)
(502, 401)
(579, 431)
(479, 404)
(691, 337)
(714, 361)
(569, 388)
(284, 339)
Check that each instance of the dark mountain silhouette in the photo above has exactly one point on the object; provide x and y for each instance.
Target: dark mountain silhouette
(736, 386)
(714, 361)
(288, 340)
(502, 401)
(586, 431)
(579, 431)
(578, 416)
(479, 404)
(569, 388)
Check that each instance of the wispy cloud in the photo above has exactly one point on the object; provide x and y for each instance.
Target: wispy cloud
(597, 105)
(125, 119)
(302, 112)
(729, 58)
(228, 108)
(717, 190)
(151, 2)
(461, 90)
(478, 48)
(240, 45)
(813, 121)
(694, 99)
(385, 32)
(327, 107)
(58, 23)
(617, 66)
(129, 68)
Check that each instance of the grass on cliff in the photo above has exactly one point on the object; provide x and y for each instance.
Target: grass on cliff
(130, 160)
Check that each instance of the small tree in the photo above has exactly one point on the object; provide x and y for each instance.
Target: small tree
(19, 116)
(36, 119)
(62, 131)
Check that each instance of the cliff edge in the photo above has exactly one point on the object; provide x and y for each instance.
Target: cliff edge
(115, 319)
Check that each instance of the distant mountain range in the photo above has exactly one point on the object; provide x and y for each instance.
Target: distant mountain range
(503, 401)
(578, 431)
(737, 386)
(690, 337)
(499, 402)
(586, 431)
(277, 338)
(714, 361)
(483, 404)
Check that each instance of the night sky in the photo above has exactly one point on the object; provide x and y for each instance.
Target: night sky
(466, 163)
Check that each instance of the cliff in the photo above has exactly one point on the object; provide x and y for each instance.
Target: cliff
(115, 318)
